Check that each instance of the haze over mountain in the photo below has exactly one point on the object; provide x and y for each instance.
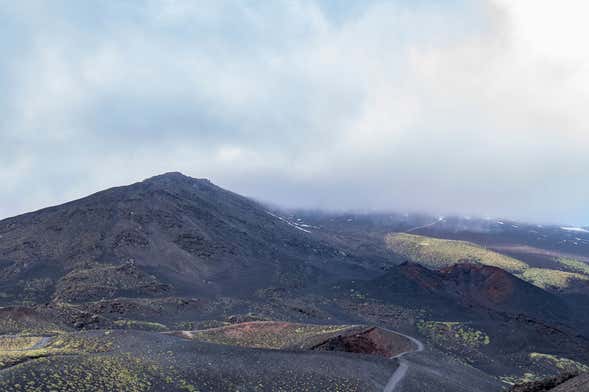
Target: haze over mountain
(469, 108)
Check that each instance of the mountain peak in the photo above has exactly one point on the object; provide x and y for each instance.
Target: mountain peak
(173, 176)
(176, 180)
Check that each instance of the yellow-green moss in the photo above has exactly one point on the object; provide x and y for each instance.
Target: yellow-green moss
(67, 344)
(552, 279)
(561, 363)
(15, 343)
(453, 335)
(437, 253)
(142, 325)
(574, 265)
(526, 377)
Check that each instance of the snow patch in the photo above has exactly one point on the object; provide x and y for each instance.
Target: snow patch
(295, 225)
(575, 229)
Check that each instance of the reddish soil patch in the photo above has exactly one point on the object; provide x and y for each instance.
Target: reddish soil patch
(373, 341)
(422, 276)
(486, 283)
(251, 327)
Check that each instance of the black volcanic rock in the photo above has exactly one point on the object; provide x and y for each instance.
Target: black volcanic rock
(188, 233)
(100, 281)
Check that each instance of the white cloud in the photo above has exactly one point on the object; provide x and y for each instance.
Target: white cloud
(477, 108)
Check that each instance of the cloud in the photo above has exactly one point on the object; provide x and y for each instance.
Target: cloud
(460, 107)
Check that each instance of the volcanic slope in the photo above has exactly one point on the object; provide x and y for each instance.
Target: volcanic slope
(481, 314)
(462, 288)
(168, 234)
(568, 275)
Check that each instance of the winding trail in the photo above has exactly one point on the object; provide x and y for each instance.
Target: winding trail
(423, 226)
(399, 374)
(41, 343)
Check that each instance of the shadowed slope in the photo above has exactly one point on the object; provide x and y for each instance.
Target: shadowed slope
(192, 235)
(464, 288)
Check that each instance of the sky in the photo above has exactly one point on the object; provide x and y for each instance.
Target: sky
(451, 107)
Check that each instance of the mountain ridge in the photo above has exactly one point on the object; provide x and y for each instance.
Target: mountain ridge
(192, 234)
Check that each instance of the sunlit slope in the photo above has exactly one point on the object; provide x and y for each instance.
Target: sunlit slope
(438, 253)
(271, 335)
(554, 279)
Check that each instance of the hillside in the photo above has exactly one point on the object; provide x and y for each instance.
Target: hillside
(167, 234)
(437, 253)
(567, 382)
(463, 288)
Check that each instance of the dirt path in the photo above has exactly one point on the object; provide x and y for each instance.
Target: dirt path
(399, 374)
(41, 343)
(422, 227)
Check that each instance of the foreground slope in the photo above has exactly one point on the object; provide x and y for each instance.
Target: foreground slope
(141, 362)
(481, 315)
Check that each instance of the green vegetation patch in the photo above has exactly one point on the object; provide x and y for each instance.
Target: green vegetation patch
(87, 373)
(453, 335)
(562, 364)
(75, 342)
(525, 378)
(552, 279)
(26, 325)
(437, 253)
(67, 344)
(574, 265)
